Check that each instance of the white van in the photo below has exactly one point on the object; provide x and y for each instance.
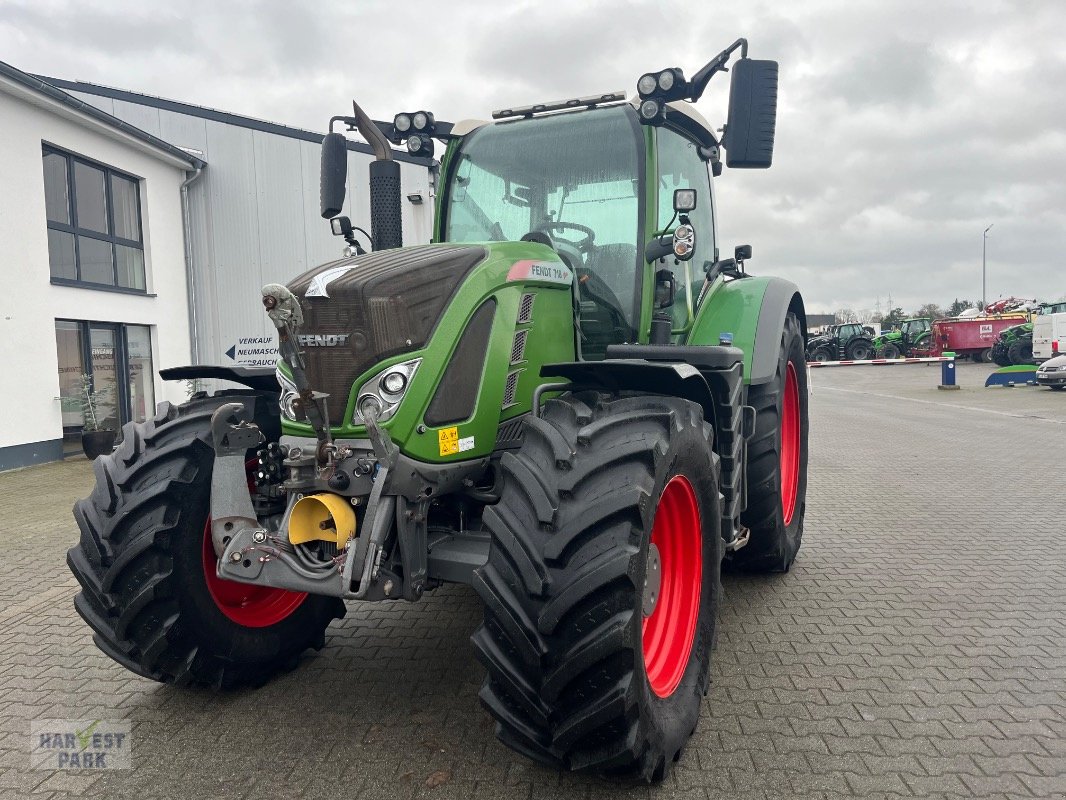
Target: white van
(1049, 336)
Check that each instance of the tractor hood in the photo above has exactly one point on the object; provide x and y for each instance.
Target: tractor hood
(358, 311)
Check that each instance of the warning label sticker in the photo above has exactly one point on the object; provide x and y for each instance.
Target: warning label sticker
(450, 443)
(448, 440)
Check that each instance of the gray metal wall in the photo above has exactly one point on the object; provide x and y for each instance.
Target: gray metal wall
(255, 220)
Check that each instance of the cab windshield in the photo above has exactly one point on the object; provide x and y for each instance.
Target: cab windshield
(573, 177)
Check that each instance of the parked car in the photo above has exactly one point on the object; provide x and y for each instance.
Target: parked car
(1052, 373)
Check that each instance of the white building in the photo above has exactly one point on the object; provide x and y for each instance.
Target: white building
(110, 277)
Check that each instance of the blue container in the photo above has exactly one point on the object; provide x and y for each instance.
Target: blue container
(947, 371)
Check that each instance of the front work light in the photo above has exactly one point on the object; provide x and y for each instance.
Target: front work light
(646, 85)
(650, 111)
(422, 121)
(402, 122)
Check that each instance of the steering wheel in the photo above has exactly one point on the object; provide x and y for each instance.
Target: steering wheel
(584, 245)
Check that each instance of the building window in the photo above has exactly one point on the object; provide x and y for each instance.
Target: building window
(94, 223)
(112, 360)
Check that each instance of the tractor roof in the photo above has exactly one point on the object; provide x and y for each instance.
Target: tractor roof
(679, 112)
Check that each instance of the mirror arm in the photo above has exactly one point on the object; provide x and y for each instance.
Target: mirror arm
(717, 64)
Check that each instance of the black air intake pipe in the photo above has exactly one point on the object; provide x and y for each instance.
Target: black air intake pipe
(386, 222)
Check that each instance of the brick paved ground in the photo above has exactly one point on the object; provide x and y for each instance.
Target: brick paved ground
(917, 648)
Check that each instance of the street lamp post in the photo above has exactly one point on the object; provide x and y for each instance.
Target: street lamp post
(984, 267)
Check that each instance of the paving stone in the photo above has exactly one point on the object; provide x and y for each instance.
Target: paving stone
(907, 652)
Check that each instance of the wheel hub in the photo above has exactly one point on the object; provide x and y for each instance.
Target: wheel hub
(653, 579)
(671, 608)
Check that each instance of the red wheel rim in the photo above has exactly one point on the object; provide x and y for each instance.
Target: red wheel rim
(667, 635)
(245, 604)
(790, 444)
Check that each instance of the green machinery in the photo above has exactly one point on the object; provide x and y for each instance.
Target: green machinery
(851, 340)
(1014, 345)
(913, 335)
(569, 400)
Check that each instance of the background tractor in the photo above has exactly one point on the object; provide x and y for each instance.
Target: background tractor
(912, 337)
(569, 400)
(853, 341)
(1014, 345)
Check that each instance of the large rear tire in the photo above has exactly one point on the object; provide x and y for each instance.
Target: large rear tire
(1021, 352)
(777, 461)
(577, 676)
(146, 566)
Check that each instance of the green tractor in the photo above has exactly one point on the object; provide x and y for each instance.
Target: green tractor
(1014, 345)
(568, 401)
(913, 335)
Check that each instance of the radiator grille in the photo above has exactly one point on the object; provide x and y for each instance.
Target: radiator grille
(525, 308)
(518, 349)
(511, 387)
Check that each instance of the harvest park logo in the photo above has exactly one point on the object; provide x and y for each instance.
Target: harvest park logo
(79, 744)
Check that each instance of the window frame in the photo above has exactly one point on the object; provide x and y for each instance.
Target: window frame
(109, 237)
(124, 403)
(705, 208)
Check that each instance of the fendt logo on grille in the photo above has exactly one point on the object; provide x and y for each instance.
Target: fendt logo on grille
(323, 339)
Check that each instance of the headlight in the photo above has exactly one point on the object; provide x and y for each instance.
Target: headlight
(289, 396)
(381, 395)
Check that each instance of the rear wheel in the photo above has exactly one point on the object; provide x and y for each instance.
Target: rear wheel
(601, 585)
(1020, 352)
(777, 462)
(147, 567)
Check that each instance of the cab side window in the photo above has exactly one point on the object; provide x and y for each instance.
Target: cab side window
(680, 167)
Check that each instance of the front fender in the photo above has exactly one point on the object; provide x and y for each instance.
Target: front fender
(753, 310)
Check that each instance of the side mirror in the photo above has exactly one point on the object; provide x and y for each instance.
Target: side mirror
(749, 132)
(742, 252)
(334, 174)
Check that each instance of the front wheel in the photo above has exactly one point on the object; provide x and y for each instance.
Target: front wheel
(889, 351)
(146, 566)
(860, 350)
(602, 583)
(823, 354)
(777, 461)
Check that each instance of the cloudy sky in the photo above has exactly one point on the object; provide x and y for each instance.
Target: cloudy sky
(904, 128)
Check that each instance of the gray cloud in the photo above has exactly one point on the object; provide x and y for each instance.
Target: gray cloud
(904, 127)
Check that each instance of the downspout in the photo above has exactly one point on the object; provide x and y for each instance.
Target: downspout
(190, 272)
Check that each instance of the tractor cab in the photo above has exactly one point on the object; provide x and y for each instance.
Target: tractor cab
(913, 329)
(597, 187)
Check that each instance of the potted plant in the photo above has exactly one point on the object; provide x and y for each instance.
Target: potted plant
(95, 439)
